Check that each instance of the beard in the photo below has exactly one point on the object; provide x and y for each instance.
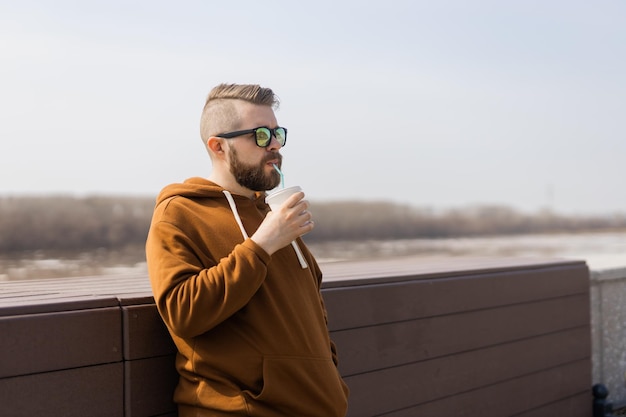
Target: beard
(253, 177)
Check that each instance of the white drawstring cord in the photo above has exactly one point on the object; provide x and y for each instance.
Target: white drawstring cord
(299, 254)
(233, 208)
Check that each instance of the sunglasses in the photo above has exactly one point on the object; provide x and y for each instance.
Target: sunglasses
(262, 135)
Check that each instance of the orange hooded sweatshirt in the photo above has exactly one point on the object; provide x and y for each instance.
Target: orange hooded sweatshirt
(250, 328)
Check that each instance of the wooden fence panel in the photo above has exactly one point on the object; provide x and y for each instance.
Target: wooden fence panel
(149, 385)
(393, 344)
(534, 397)
(413, 384)
(61, 340)
(408, 297)
(93, 391)
(488, 338)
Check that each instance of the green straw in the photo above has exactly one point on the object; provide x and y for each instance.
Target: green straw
(282, 177)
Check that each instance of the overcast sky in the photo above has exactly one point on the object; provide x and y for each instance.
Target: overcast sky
(431, 103)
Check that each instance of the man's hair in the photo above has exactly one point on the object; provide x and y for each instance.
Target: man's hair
(220, 112)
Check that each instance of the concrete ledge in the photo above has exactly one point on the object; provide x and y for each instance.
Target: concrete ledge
(608, 319)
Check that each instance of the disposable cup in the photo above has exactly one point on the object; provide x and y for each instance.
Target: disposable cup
(276, 198)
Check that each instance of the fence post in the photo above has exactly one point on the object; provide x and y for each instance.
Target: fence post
(601, 407)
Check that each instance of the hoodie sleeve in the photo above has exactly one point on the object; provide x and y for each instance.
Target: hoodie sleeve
(191, 298)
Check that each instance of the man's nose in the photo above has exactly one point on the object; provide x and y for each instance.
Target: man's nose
(274, 144)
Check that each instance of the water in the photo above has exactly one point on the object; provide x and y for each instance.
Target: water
(600, 250)
(58, 264)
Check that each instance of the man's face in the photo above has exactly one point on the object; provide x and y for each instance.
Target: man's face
(251, 165)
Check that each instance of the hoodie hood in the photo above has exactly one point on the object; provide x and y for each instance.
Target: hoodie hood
(198, 187)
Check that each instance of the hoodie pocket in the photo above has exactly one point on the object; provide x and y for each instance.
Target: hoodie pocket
(296, 386)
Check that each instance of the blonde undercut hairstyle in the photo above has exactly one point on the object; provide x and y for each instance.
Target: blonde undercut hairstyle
(220, 113)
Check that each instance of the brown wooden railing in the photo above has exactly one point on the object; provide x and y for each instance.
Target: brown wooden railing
(462, 337)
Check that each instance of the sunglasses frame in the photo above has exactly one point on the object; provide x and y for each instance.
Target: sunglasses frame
(230, 135)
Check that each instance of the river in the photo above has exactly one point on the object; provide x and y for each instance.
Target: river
(601, 251)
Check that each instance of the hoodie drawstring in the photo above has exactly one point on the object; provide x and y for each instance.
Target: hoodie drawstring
(299, 254)
(233, 208)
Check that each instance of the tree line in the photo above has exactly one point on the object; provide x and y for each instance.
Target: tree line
(114, 222)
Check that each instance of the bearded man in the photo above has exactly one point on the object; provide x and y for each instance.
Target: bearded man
(244, 310)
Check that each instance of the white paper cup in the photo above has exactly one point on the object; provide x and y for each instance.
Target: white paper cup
(278, 197)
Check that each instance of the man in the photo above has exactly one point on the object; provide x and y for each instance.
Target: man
(247, 317)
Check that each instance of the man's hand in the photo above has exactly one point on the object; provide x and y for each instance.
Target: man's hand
(285, 224)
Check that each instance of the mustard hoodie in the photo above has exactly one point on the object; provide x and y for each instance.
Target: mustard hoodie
(251, 329)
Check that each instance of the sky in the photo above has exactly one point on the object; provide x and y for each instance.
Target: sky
(435, 104)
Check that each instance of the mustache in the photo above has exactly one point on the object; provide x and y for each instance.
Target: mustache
(277, 157)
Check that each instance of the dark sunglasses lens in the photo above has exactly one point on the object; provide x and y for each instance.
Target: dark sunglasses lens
(281, 135)
(263, 136)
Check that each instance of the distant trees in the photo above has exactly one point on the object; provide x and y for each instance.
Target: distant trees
(71, 223)
(384, 220)
(31, 223)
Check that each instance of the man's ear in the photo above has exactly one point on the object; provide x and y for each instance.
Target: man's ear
(216, 146)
